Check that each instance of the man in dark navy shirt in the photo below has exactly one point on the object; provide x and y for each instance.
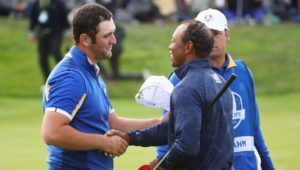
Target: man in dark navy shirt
(197, 139)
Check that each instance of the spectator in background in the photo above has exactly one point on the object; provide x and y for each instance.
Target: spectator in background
(279, 8)
(296, 5)
(17, 7)
(250, 9)
(48, 21)
(187, 9)
(5, 10)
(183, 10)
(144, 11)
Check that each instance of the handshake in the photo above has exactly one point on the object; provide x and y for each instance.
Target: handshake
(116, 143)
(119, 142)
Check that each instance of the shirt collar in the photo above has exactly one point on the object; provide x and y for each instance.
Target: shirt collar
(229, 63)
(195, 63)
(81, 58)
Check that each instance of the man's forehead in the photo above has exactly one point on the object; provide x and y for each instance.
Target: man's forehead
(179, 30)
(107, 26)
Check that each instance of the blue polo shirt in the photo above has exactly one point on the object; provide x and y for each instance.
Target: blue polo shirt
(75, 90)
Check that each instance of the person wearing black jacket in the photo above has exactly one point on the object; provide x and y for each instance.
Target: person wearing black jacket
(48, 21)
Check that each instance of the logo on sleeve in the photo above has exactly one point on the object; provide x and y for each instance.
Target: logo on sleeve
(216, 77)
(47, 91)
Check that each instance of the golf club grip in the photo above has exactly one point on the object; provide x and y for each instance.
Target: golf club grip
(220, 93)
(206, 108)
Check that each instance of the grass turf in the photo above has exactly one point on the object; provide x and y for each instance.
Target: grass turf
(271, 53)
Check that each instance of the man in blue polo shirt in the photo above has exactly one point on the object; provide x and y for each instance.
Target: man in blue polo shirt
(77, 110)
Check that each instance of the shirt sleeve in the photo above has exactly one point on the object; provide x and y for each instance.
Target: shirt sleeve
(153, 136)
(266, 162)
(65, 93)
(188, 116)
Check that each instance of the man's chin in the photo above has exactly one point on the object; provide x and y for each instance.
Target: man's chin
(106, 56)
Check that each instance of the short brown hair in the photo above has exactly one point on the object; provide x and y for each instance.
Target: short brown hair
(200, 36)
(87, 19)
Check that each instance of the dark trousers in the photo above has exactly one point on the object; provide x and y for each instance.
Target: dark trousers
(49, 45)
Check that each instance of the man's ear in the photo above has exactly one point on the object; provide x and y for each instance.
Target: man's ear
(188, 47)
(85, 40)
(227, 34)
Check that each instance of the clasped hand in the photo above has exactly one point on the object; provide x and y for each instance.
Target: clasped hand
(117, 143)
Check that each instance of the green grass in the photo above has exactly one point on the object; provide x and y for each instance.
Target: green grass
(23, 148)
(270, 52)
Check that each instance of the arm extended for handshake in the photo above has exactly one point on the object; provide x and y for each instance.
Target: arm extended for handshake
(57, 131)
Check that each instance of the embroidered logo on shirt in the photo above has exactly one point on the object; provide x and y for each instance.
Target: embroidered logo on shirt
(216, 78)
(238, 113)
(46, 91)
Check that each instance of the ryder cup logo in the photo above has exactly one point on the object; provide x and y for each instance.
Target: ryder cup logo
(238, 110)
(208, 18)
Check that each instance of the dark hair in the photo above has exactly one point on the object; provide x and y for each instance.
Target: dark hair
(87, 19)
(200, 36)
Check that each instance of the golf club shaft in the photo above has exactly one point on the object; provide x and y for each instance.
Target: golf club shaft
(220, 93)
(162, 159)
(206, 108)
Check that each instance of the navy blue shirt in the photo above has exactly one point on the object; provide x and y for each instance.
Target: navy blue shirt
(197, 140)
(250, 150)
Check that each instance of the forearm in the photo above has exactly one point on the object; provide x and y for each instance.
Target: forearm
(67, 137)
(127, 124)
(153, 136)
(57, 131)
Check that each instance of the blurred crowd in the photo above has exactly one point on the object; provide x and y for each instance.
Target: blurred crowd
(160, 11)
(50, 19)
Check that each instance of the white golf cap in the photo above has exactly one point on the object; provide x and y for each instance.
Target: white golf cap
(213, 19)
(155, 92)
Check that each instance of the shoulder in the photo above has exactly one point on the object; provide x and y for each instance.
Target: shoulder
(201, 79)
(66, 76)
(242, 66)
(65, 84)
(204, 75)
